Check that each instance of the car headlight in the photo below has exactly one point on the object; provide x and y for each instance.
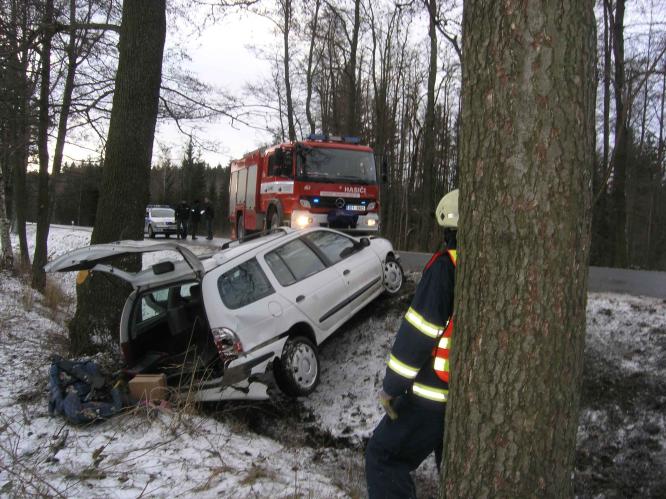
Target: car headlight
(372, 205)
(227, 343)
(372, 222)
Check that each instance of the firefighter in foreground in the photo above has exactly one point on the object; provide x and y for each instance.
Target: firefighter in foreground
(415, 388)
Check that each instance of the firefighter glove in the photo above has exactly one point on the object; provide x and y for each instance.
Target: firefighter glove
(386, 401)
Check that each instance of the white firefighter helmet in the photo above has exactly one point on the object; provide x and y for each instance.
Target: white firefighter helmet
(447, 210)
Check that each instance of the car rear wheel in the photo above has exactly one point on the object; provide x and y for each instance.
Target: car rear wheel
(393, 276)
(151, 232)
(297, 371)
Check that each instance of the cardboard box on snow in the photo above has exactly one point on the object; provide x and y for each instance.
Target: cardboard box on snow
(148, 387)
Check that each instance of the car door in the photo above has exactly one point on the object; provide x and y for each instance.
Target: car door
(305, 281)
(359, 267)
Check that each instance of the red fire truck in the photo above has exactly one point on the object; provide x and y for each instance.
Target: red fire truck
(322, 181)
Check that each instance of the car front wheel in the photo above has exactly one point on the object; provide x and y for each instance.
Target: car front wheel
(297, 371)
(151, 232)
(393, 276)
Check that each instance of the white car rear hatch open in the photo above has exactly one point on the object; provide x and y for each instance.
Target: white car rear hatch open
(96, 257)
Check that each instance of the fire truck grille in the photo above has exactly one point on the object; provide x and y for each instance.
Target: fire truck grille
(356, 205)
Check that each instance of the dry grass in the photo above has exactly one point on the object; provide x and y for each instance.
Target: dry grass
(349, 476)
(57, 302)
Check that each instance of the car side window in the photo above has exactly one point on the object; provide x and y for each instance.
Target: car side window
(293, 262)
(243, 285)
(336, 247)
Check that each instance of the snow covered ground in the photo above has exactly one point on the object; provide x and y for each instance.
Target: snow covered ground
(310, 447)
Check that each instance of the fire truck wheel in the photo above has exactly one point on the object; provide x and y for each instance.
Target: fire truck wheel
(240, 228)
(393, 276)
(274, 220)
(297, 370)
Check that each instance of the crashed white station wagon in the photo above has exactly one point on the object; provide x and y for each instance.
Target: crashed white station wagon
(225, 321)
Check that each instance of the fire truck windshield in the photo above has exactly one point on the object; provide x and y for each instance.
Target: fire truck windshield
(321, 164)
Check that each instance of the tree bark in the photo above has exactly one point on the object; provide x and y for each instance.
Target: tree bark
(287, 11)
(622, 138)
(126, 175)
(42, 233)
(7, 254)
(428, 150)
(309, 71)
(527, 158)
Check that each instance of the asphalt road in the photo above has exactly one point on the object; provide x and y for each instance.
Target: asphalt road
(633, 282)
(604, 279)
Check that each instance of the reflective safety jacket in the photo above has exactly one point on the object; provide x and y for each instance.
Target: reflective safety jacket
(411, 364)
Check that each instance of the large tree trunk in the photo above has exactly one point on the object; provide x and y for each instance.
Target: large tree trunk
(125, 182)
(310, 70)
(42, 233)
(6, 252)
(287, 11)
(527, 157)
(428, 150)
(622, 138)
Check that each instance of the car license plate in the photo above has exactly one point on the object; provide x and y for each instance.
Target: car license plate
(355, 207)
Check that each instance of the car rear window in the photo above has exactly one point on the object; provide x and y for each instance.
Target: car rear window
(162, 212)
(293, 262)
(243, 285)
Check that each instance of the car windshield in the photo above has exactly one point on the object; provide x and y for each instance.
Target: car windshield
(320, 164)
(162, 212)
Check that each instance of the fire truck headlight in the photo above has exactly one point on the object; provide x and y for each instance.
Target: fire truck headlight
(372, 222)
(372, 205)
(303, 221)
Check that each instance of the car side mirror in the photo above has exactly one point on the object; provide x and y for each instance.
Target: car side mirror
(364, 242)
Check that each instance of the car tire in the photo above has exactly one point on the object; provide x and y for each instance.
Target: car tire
(240, 228)
(151, 232)
(393, 276)
(297, 370)
(167, 235)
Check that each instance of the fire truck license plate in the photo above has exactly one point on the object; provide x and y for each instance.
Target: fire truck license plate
(355, 207)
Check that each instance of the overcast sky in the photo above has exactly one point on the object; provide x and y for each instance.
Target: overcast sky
(221, 56)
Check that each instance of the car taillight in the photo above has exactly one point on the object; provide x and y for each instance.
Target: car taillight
(227, 343)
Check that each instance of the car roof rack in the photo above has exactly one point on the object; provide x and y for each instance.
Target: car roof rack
(256, 235)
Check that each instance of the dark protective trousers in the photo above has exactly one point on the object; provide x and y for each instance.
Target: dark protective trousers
(398, 447)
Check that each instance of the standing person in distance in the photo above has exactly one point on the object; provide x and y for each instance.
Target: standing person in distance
(182, 218)
(415, 387)
(195, 216)
(209, 215)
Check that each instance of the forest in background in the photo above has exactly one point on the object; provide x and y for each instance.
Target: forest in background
(386, 72)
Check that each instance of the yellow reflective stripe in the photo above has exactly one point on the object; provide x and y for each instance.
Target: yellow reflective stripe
(454, 254)
(441, 364)
(429, 393)
(416, 320)
(444, 342)
(401, 368)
